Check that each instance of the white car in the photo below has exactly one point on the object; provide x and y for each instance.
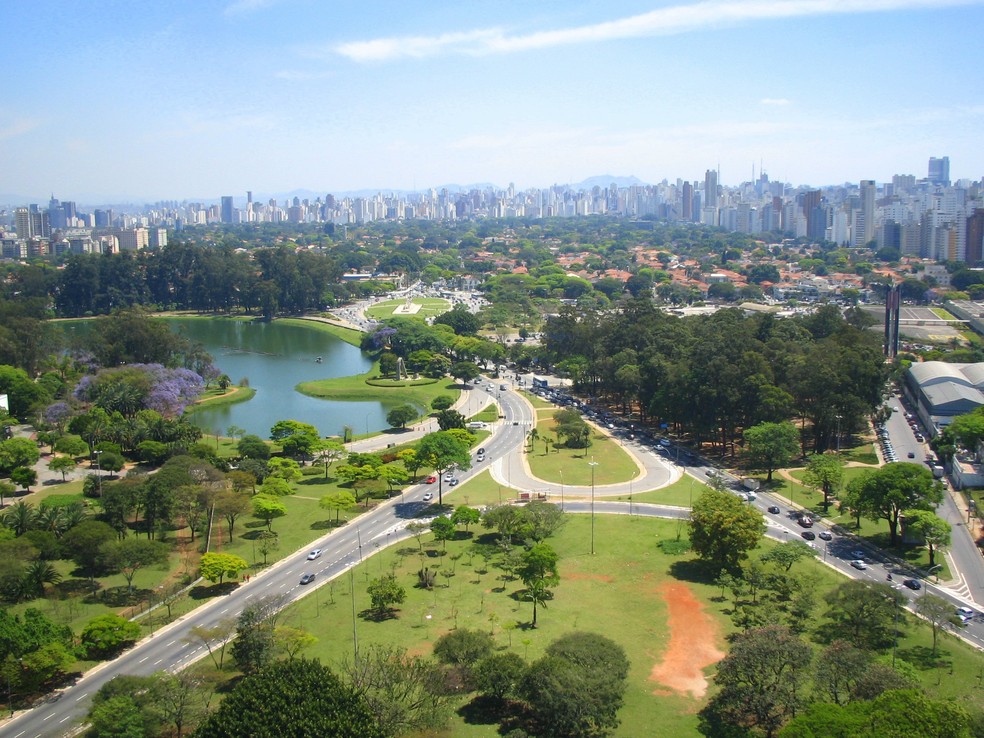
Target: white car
(315, 554)
(965, 614)
(428, 496)
(859, 564)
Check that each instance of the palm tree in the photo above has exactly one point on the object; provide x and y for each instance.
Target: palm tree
(533, 436)
(20, 517)
(538, 594)
(38, 574)
(50, 518)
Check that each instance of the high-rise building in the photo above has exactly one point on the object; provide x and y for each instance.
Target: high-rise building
(867, 220)
(687, 196)
(227, 211)
(975, 237)
(710, 188)
(939, 171)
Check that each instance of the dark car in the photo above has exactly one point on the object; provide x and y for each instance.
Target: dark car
(912, 583)
(774, 509)
(307, 578)
(808, 535)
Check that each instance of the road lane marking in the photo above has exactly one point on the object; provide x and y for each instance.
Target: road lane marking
(64, 718)
(76, 699)
(158, 661)
(172, 643)
(143, 659)
(224, 611)
(48, 716)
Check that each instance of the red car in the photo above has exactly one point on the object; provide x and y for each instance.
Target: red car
(430, 480)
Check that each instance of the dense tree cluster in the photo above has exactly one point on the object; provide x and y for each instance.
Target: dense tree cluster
(712, 376)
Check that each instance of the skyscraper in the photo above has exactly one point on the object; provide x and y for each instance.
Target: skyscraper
(710, 188)
(939, 171)
(975, 237)
(868, 190)
(227, 209)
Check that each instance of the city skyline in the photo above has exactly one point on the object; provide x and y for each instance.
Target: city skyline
(119, 103)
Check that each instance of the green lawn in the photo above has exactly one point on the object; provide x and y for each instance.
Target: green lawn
(419, 393)
(616, 592)
(349, 335)
(571, 465)
(429, 307)
(681, 493)
(215, 397)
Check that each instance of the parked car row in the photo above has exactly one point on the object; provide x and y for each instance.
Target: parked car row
(888, 451)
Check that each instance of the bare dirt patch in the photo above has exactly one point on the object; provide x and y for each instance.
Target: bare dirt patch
(693, 637)
(575, 576)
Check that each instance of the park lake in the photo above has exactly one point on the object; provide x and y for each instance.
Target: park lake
(273, 357)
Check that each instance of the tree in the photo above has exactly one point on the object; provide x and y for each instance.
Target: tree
(498, 675)
(826, 473)
(129, 555)
(443, 530)
(216, 566)
(107, 634)
(282, 468)
(214, 638)
(20, 517)
(463, 647)
(786, 554)
(338, 501)
(577, 688)
(384, 593)
(865, 613)
(466, 516)
(450, 419)
(275, 487)
(884, 494)
(406, 694)
(465, 371)
(723, 530)
(571, 427)
(17, 452)
(231, 505)
(24, 477)
(319, 704)
(253, 647)
(929, 526)
(253, 447)
(292, 641)
(268, 509)
(761, 682)
(84, 545)
(38, 574)
(771, 445)
(71, 445)
(442, 451)
(400, 415)
(329, 451)
(938, 612)
(62, 464)
(442, 402)
(538, 570)
(839, 669)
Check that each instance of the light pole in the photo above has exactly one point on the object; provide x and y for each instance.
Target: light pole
(562, 489)
(592, 464)
(99, 473)
(367, 424)
(838, 433)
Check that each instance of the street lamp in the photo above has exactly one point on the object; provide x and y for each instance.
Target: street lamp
(561, 489)
(838, 433)
(592, 464)
(99, 473)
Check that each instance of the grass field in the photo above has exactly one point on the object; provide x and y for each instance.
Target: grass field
(571, 465)
(619, 592)
(429, 307)
(349, 335)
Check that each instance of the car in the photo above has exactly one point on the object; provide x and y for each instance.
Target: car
(806, 521)
(452, 482)
(430, 480)
(825, 535)
(859, 564)
(965, 613)
(774, 509)
(307, 578)
(448, 477)
(911, 455)
(315, 554)
(809, 535)
(428, 496)
(481, 451)
(858, 553)
(912, 584)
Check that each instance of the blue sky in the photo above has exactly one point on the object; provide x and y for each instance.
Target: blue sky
(108, 100)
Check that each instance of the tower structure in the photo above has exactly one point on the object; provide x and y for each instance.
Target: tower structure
(939, 171)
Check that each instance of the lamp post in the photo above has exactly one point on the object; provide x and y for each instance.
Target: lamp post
(592, 464)
(99, 473)
(561, 489)
(838, 433)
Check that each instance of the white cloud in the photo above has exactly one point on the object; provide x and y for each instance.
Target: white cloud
(662, 22)
(17, 127)
(777, 101)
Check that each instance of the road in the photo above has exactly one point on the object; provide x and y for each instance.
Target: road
(174, 647)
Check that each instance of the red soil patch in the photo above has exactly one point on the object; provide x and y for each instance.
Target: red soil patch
(692, 643)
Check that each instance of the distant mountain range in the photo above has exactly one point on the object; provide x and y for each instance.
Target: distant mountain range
(85, 203)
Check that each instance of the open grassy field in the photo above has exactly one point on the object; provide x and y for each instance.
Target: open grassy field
(570, 465)
(429, 307)
(657, 606)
